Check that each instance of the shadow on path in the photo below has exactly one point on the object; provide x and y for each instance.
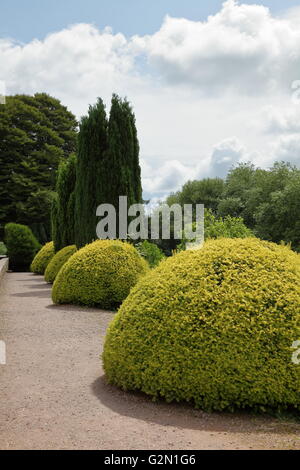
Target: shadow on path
(183, 416)
(33, 293)
(38, 285)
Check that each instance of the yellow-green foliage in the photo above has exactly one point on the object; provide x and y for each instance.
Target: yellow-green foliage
(42, 259)
(58, 260)
(212, 326)
(101, 274)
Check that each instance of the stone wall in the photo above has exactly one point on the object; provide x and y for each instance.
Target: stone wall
(3, 266)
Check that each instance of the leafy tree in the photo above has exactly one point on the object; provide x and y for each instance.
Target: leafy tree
(36, 132)
(37, 209)
(227, 227)
(219, 227)
(208, 191)
(150, 252)
(240, 183)
(230, 206)
(268, 201)
(277, 215)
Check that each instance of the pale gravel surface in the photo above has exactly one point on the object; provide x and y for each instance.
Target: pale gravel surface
(53, 394)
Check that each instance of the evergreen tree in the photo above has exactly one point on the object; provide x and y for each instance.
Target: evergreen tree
(92, 173)
(125, 171)
(55, 223)
(63, 206)
(108, 165)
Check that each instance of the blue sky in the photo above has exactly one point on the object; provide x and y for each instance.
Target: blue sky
(208, 93)
(24, 20)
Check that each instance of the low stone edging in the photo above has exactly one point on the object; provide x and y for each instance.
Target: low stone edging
(3, 266)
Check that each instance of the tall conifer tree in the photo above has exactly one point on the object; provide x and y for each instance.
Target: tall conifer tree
(107, 166)
(63, 231)
(125, 172)
(91, 179)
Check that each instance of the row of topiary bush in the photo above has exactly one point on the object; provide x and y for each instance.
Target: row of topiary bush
(57, 261)
(212, 326)
(22, 247)
(101, 274)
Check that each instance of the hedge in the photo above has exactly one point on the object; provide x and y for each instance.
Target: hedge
(101, 274)
(58, 260)
(213, 327)
(42, 258)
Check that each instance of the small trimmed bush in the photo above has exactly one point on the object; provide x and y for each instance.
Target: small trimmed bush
(101, 274)
(58, 260)
(21, 246)
(214, 327)
(42, 258)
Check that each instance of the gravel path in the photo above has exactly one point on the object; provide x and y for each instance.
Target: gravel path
(53, 394)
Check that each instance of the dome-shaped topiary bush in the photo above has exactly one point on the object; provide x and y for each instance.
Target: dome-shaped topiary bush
(213, 326)
(42, 258)
(58, 260)
(101, 274)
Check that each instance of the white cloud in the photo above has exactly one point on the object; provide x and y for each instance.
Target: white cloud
(287, 148)
(171, 175)
(225, 155)
(280, 121)
(168, 177)
(75, 64)
(203, 83)
(242, 48)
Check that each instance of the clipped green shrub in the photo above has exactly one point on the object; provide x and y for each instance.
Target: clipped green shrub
(42, 258)
(3, 249)
(214, 327)
(101, 274)
(58, 260)
(21, 246)
(151, 252)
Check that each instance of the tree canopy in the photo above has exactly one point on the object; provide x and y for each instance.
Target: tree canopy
(267, 200)
(36, 133)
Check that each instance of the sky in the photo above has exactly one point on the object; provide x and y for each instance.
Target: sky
(212, 83)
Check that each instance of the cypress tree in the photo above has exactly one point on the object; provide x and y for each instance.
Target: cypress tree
(63, 205)
(91, 179)
(55, 226)
(107, 165)
(125, 171)
(134, 156)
